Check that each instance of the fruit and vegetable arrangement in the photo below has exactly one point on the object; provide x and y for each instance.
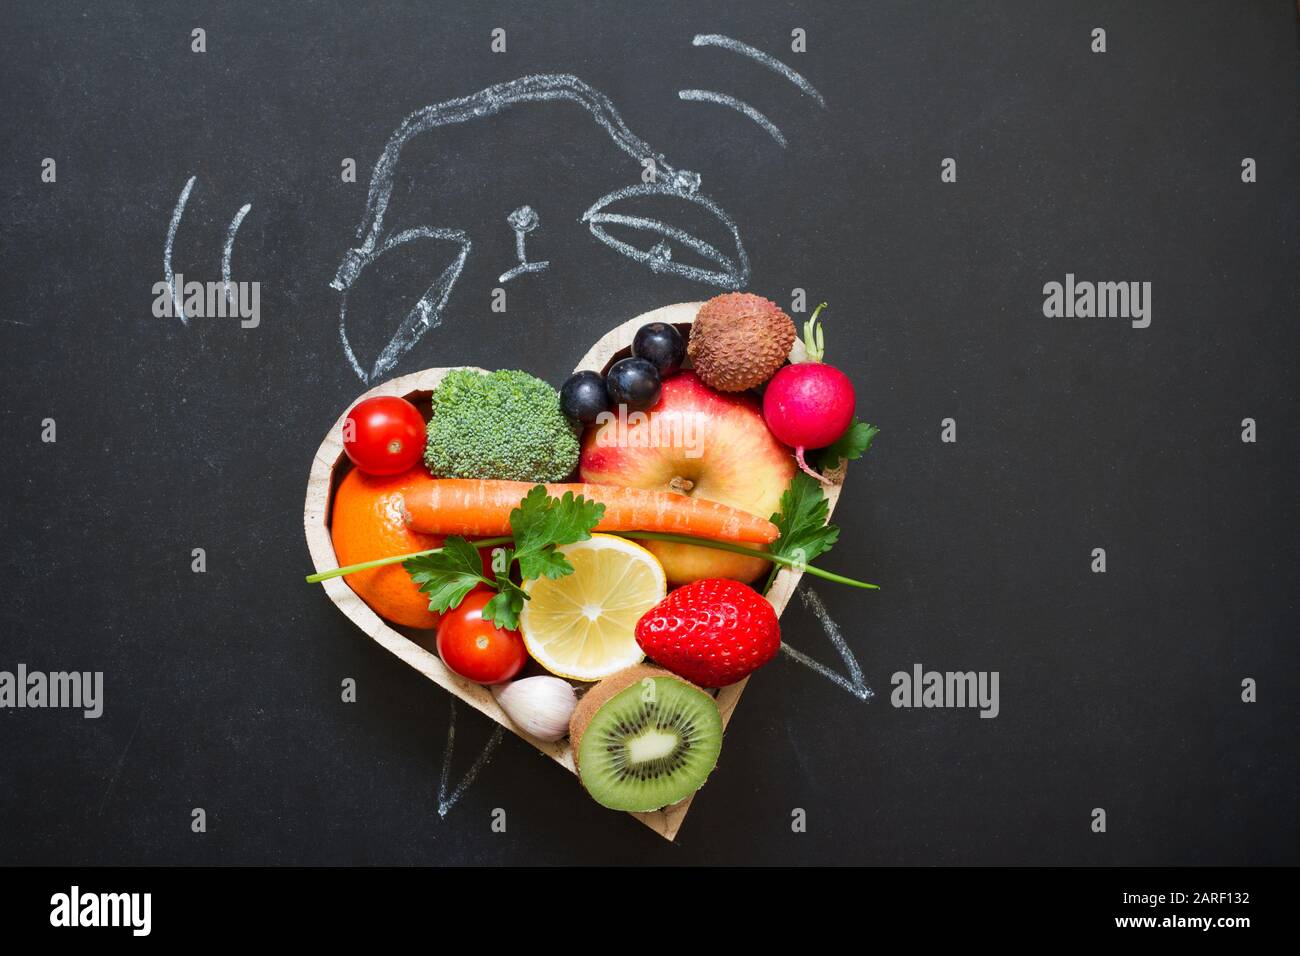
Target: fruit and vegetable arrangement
(599, 555)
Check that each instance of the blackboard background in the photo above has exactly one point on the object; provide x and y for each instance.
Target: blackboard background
(222, 689)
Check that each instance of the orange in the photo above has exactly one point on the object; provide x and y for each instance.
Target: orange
(368, 524)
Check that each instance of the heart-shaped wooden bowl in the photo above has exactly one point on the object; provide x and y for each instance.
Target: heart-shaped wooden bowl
(331, 464)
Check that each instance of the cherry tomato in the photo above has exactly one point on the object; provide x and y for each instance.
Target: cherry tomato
(474, 647)
(384, 435)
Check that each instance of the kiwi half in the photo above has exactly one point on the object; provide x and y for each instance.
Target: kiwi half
(643, 746)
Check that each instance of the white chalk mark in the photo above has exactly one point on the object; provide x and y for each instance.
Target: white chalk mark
(426, 314)
(168, 275)
(771, 62)
(523, 221)
(734, 273)
(855, 683)
(522, 269)
(117, 772)
(488, 102)
(722, 99)
(229, 247)
(447, 800)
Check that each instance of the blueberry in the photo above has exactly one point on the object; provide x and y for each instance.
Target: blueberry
(583, 397)
(633, 382)
(661, 345)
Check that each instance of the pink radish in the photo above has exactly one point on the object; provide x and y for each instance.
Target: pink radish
(809, 404)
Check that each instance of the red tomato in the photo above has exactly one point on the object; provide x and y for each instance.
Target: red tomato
(384, 435)
(474, 647)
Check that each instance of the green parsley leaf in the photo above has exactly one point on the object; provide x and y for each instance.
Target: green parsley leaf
(448, 575)
(802, 521)
(548, 563)
(850, 446)
(541, 524)
(504, 609)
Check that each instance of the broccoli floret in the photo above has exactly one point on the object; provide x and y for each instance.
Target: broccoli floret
(504, 424)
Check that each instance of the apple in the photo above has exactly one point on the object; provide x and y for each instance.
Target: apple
(694, 441)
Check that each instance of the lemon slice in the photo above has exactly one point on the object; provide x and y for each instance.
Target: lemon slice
(583, 626)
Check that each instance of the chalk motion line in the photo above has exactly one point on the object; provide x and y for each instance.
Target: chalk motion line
(168, 275)
(722, 99)
(228, 250)
(771, 62)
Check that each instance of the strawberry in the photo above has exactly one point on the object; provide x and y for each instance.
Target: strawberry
(712, 632)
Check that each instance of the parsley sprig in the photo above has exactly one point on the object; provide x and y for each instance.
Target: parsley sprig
(803, 520)
(539, 526)
(805, 531)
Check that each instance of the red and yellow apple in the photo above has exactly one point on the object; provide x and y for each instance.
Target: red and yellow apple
(695, 441)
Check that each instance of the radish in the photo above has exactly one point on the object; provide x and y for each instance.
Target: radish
(809, 404)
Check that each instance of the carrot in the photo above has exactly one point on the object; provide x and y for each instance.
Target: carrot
(480, 507)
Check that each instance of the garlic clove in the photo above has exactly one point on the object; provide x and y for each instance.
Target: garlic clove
(539, 706)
